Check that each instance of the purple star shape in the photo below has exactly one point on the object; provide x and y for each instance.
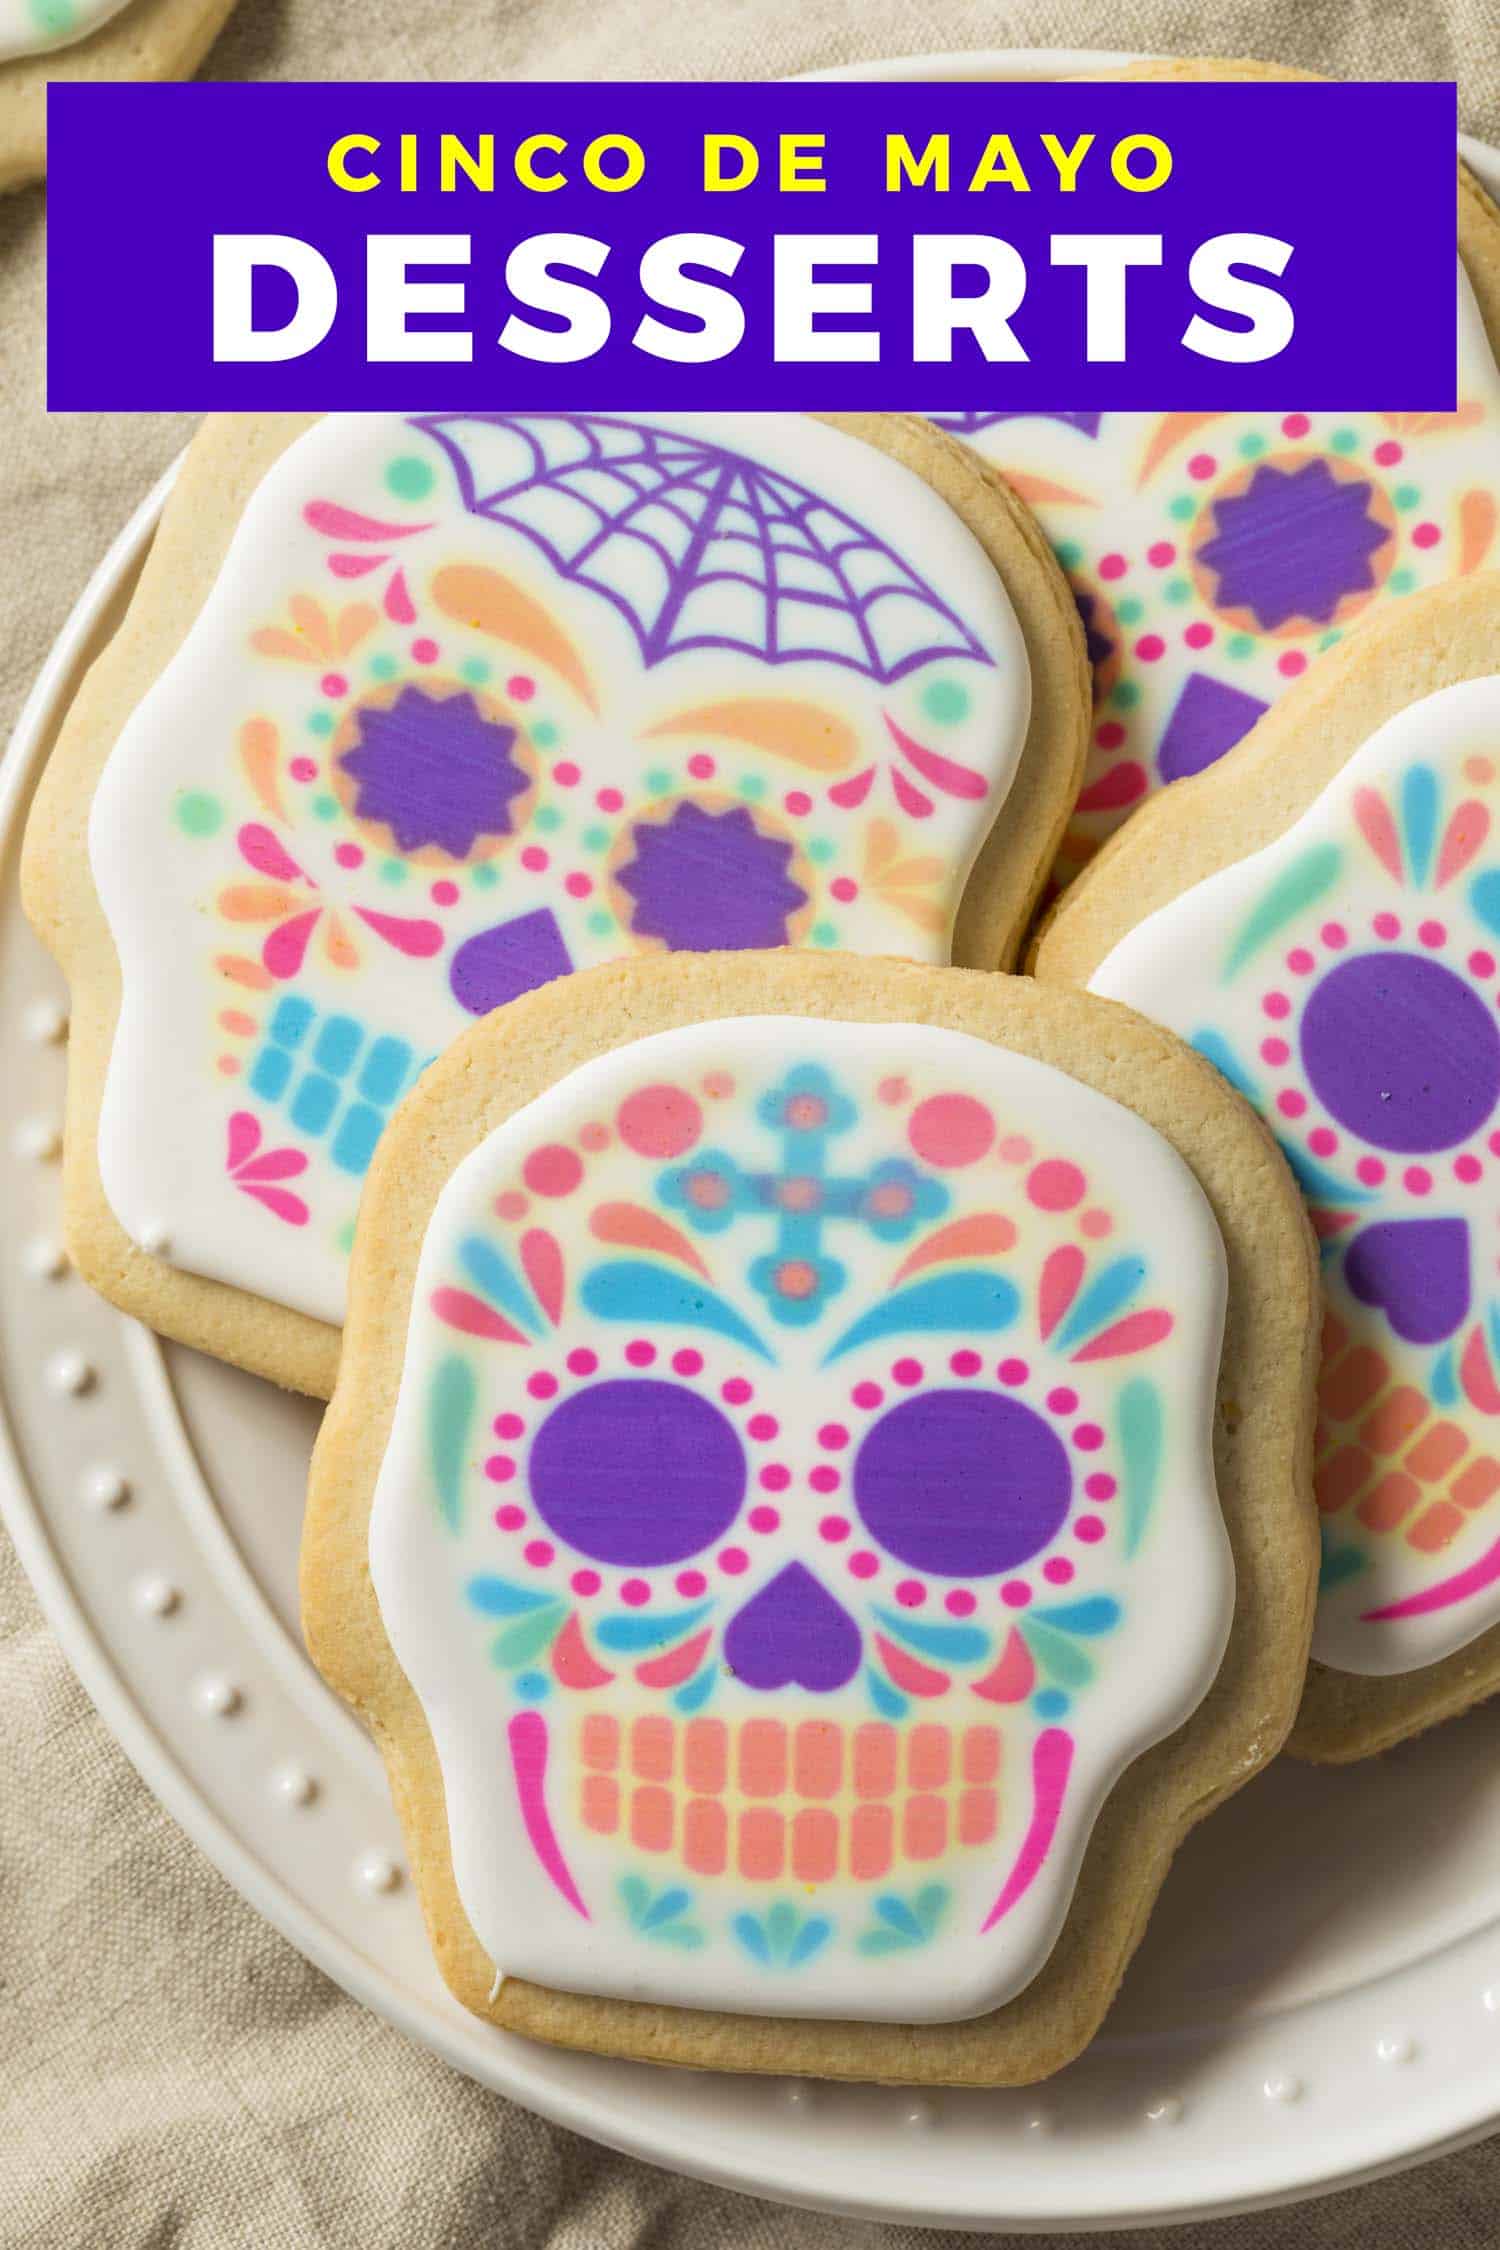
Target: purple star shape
(435, 770)
(1294, 543)
(708, 882)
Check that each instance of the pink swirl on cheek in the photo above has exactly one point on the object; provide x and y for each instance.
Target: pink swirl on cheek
(528, 1758)
(285, 949)
(1051, 1763)
(265, 854)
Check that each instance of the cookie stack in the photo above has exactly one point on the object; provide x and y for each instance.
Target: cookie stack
(818, 1494)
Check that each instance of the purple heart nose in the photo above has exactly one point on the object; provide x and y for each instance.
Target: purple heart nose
(1415, 1271)
(793, 1634)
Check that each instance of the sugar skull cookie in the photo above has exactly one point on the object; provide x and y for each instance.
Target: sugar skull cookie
(1321, 917)
(808, 1441)
(458, 704)
(43, 42)
(1215, 556)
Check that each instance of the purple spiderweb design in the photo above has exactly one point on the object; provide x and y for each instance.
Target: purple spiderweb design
(710, 882)
(967, 425)
(436, 771)
(698, 546)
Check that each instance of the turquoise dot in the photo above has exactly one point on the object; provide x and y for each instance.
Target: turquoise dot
(544, 734)
(1330, 640)
(383, 667)
(1402, 581)
(601, 923)
(393, 871)
(326, 808)
(321, 722)
(1176, 590)
(1252, 447)
(596, 839)
(199, 814)
(53, 17)
(658, 782)
(1344, 441)
(486, 875)
(531, 1687)
(409, 478)
(344, 1237)
(1183, 508)
(947, 701)
(1126, 694)
(1069, 554)
(548, 819)
(1239, 644)
(753, 785)
(823, 933)
(1131, 610)
(820, 851)
(1049, 1703)
(1406, 496)
(475, 671)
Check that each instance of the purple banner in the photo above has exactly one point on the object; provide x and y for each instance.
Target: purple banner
(974, 247)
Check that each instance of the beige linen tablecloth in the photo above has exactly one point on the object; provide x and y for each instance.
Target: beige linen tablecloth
(171, 2072)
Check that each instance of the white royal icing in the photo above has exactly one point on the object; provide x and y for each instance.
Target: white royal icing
(798, 1511)
(35, 27)
(478, 699)
(1213, 556)
(1347, 978)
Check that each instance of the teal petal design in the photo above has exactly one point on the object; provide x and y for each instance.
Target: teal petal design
(1444, 1378)
(888, 1701)
(1056, 1654)
(1141, 1435)
(1317, 1183)
(1419, 819)
(950, 1644)
(496, 1278)
(950, 1303)
(1099, 1614)
(694, 1693)
(628, 1636)
(1484, 897)
(1339, 1564)
(901, 1924)
(752, 1937)
(497, 1597)
(1298, 887)
(520, 1642)
(1215, 1048)
(1106, 1296)
(629, 1289)
(450, 1416)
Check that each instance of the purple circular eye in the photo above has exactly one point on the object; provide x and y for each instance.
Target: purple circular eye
(637, 1473)
(962, 1484)
(1402, 1052)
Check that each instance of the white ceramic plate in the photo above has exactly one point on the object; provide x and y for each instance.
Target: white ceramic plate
(1317, 2001)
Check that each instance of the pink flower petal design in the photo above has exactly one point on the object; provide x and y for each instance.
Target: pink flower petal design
(286, 948)
(266, 854)
(281, 1203)
(244, 1137)
(418, 939)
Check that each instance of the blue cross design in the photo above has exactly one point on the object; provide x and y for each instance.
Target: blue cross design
(797, 1277)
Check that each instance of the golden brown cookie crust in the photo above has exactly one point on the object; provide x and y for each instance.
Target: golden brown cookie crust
(1262, 1443)
(224, 464)
(151, 39)
(1236, 807)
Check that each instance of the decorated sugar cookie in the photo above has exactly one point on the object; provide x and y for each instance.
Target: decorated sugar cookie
(797, 1505)
(1215, 556)
(34, 27)
(477, 700)
(1345, 975)
(44, 42)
